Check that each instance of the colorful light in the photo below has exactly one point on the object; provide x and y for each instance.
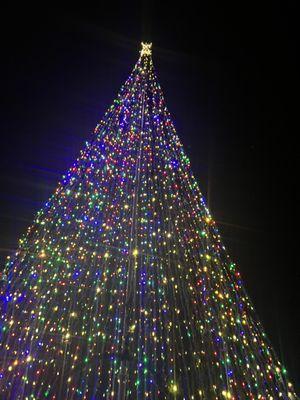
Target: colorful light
(122, 287)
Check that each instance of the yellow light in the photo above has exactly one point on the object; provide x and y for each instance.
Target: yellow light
(42, 254)
(135, 252)
(146, 49)
(173, 388)
(226, 394)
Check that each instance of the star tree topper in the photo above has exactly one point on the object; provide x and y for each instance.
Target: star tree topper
(146, 49)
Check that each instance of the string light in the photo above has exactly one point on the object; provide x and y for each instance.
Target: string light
(173, 388)
(123, 282)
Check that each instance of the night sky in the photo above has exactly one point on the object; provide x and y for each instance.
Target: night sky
(228, 75)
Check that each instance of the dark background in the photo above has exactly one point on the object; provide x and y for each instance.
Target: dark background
(228, 74)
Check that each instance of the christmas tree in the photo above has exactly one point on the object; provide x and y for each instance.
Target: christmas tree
(122, 288)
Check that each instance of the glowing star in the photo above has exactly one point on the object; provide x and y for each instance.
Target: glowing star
(146, 49)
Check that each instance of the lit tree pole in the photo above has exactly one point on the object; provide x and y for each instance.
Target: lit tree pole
(122, 288)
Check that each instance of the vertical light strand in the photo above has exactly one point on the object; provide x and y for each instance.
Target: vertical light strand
(122, 287)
